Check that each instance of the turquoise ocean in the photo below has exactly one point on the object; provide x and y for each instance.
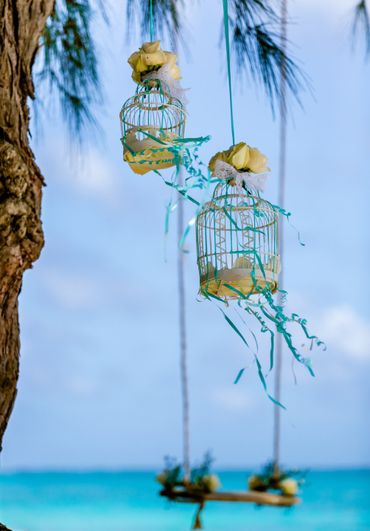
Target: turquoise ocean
(129, 501)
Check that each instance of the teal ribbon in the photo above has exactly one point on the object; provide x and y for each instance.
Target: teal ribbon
(227, 41)
(239, 375)
(234, 327)
(151, 24)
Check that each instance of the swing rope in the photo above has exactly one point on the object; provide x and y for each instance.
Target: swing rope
(181, 276)
(182, 314)
(282, 175)
(183, 342)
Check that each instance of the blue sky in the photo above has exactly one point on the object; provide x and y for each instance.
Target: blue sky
(99, 384)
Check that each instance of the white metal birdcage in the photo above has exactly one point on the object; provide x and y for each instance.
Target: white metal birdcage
(151, 122)
(237, 243)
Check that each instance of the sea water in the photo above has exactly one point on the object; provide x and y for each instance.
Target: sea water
(129, 501)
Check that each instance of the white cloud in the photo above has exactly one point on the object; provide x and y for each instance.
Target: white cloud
(335, 15)
(92, 174)
(232, 398)
(332, 7)
(82, 386)
(344, 328)
(72, 291)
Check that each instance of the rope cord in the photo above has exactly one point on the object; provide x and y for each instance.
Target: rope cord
(183, 343)
(282, 173)
(227, 42)
(151, 21)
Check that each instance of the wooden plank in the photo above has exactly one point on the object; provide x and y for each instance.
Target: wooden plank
(259, 498)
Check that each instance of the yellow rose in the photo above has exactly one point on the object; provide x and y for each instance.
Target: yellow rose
(150, 57)
(239, 156)
(242, 157)
(257, 161)
(173, 67)
(151, 47)
(221, 155)
(288, 487)
(211, 482)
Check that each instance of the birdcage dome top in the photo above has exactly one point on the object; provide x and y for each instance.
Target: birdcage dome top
(233, 198)
(154, 94)
(153, 105)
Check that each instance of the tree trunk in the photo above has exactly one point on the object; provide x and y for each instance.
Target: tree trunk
(21, 237)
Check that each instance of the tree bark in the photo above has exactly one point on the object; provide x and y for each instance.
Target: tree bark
(21, 236)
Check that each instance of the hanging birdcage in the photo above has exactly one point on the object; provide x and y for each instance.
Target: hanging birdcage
(151, 122)
(237, 243)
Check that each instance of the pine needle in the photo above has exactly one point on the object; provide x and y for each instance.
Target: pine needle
(361, 25)
(68, 62)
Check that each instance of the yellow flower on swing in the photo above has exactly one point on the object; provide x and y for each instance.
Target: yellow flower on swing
(150, 57)
(211, 482)
(161, 478)
(242, 157)
(289, 487)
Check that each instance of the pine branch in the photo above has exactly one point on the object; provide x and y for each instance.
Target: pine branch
(166, 19)
(361, 25)
(256, 40)
(68, 61)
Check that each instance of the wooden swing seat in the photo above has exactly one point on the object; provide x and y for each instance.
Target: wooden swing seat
(259, 498)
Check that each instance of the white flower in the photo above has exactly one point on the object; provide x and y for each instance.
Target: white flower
(288, 487)
(211, 482)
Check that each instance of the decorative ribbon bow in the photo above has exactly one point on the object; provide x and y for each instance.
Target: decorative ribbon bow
(253, 181)
(164, 75)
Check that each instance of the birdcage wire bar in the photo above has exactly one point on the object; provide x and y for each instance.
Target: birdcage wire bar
(237, 243)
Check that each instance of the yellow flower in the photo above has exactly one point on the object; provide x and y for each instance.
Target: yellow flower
(211, 482)
(242, 157)
(256, 483)
(150, 57)
(239, 156)
(151, 47)
(174, 69)
(257, 162)
(161, 478)
(289, 487)
(221, 155)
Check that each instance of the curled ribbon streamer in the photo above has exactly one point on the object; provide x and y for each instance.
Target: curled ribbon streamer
(258, 363)
(264, 329)
(249, 329)
(260, 303)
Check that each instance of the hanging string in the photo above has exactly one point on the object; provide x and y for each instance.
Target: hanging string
(151, 22)
(227, 41)
(183, 345)
(282, 172)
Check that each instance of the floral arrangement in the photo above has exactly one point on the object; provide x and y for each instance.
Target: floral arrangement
(286, 481)
(241, 157)
(150, 58)
(201, 479)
